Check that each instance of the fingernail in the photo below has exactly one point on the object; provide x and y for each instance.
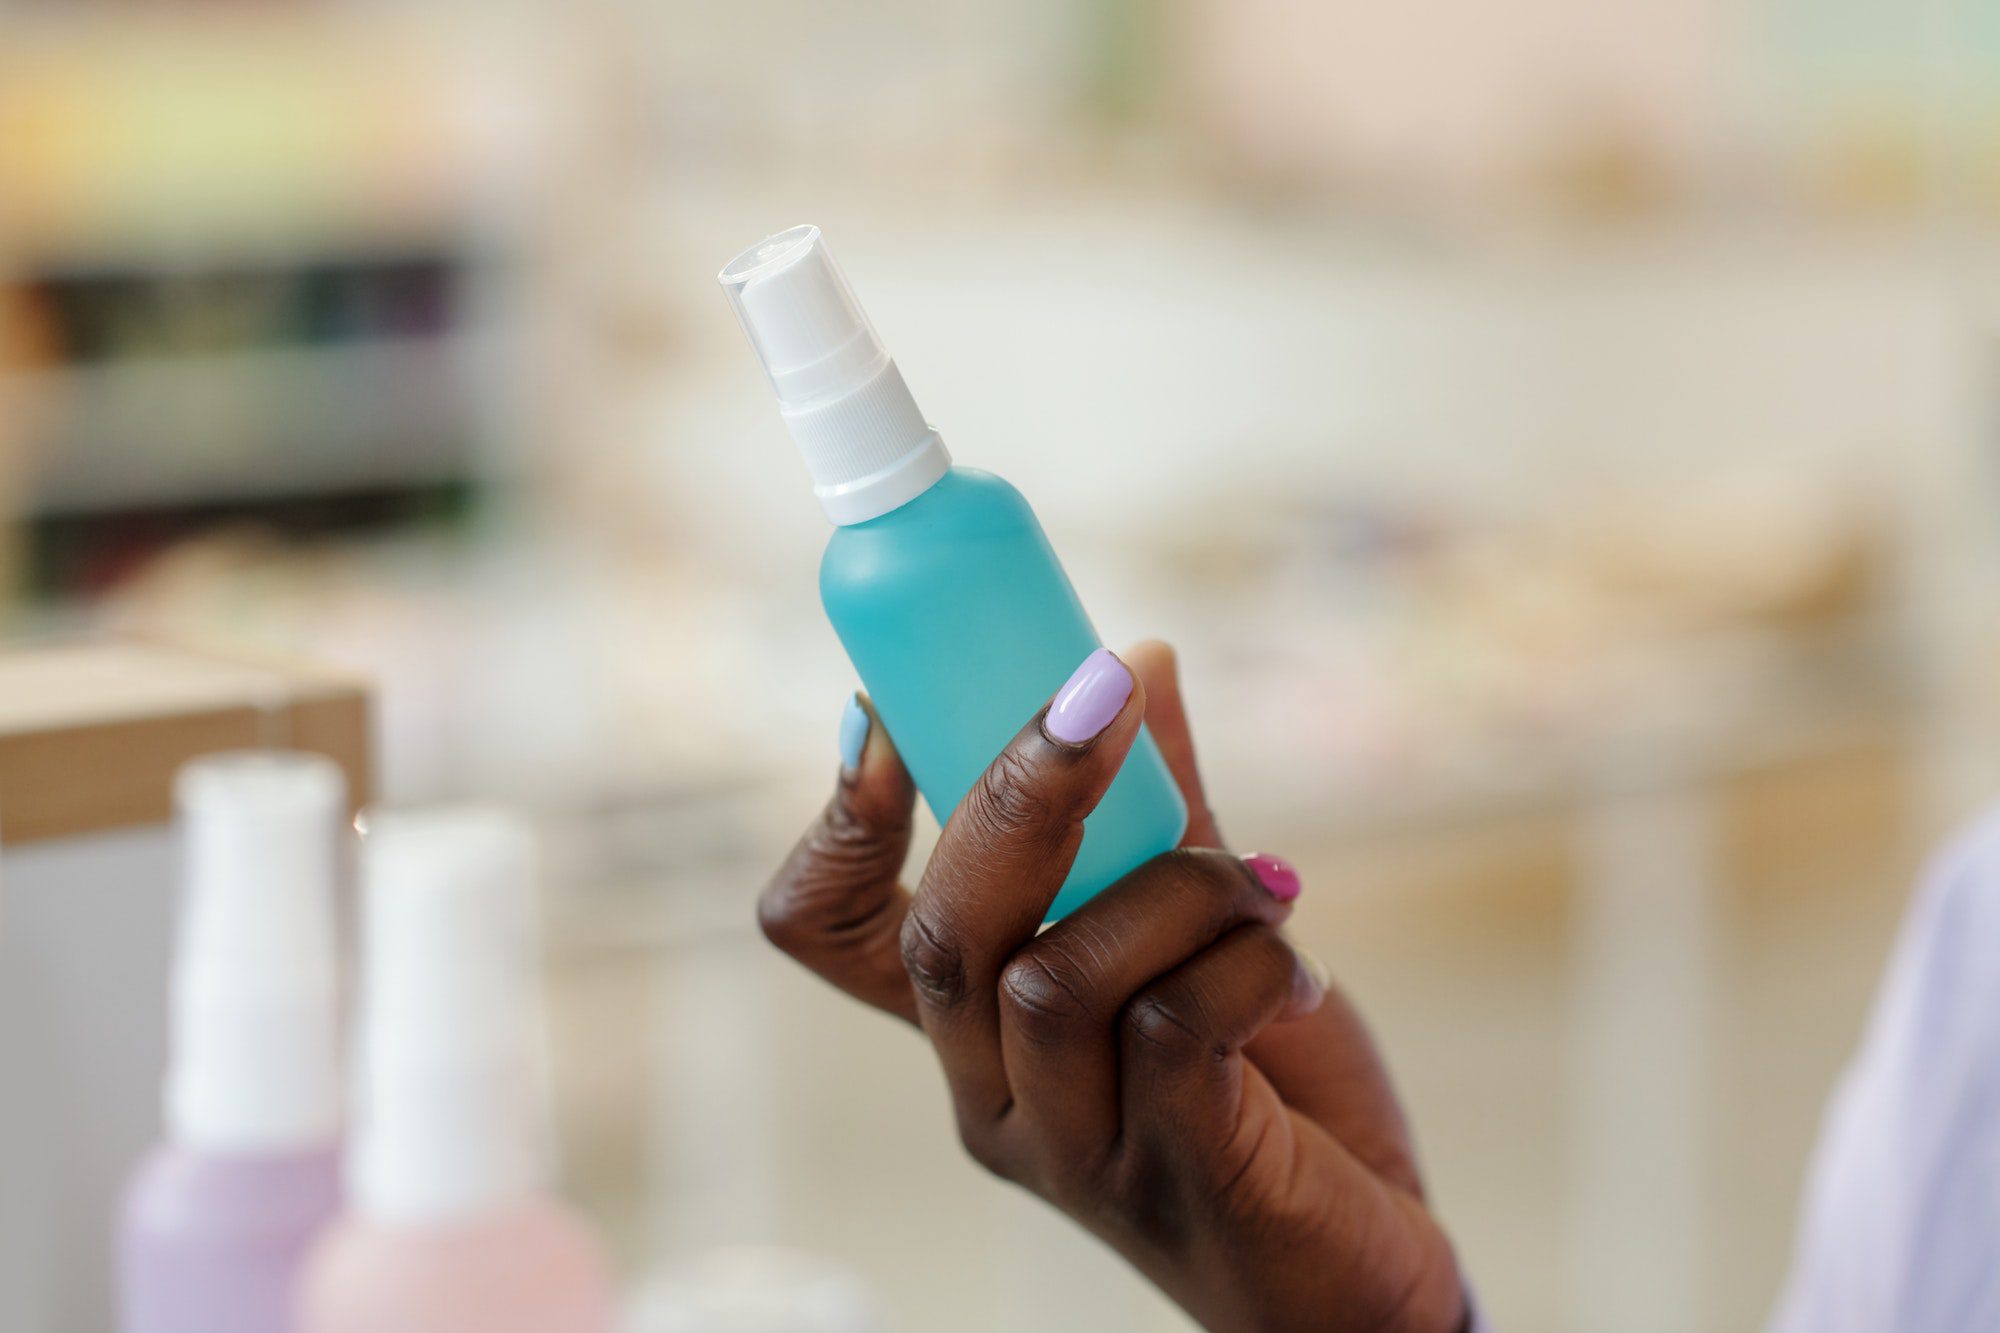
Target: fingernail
(854, 726)
(1317, 973)
(1276, 874)
(1315, 969)
(1091, 699)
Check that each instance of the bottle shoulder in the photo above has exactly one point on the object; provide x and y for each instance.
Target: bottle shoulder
(963, 494)
(975, 484)
(541, 1226)
(967, 506)
(175, 1188)
(527, 1269)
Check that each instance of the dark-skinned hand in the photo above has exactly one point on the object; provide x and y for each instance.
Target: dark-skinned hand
(1161, 1064)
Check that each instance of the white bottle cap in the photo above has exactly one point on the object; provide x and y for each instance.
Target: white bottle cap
(256, 994)
(449, 1119)
(865, 442)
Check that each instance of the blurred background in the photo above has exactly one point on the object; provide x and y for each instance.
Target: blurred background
(1563, 439)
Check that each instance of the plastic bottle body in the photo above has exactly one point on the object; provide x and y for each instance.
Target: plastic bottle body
(213, 1243)
(530, 1268)
(961, 623)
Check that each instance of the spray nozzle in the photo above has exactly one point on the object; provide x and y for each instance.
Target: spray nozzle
(852, 416)
(802, 318)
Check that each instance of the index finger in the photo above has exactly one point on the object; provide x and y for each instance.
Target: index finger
(837, 904)
(999, 863)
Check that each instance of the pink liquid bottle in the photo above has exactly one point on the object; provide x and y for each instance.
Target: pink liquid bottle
(218, 1220)
(451, 1228)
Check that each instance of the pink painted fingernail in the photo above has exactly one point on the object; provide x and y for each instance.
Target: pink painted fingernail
(1276, 874)
(1092, 700)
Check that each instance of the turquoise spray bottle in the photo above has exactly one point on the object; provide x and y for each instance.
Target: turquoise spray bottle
(938, 579)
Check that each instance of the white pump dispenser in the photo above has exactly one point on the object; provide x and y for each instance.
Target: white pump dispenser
(863, 437)
(256, 994)
(450, 1120)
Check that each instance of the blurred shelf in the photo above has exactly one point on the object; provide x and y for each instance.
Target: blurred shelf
(1736, 703)
(271, 422)
(205, 211)
(192, 130)
(464, 246)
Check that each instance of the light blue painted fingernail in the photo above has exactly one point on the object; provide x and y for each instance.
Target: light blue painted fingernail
(853, 733)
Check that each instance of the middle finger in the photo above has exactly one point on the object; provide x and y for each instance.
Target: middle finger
(1062, 994)
(999, 863)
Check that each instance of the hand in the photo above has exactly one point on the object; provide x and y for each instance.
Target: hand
(1161, 1064)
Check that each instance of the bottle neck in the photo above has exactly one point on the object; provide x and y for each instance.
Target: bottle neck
(870, 452)
(254, 1077)
(449, 1122)
(446, 1144)
(885, 492)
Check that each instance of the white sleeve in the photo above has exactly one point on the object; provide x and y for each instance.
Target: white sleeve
(1901, 1224)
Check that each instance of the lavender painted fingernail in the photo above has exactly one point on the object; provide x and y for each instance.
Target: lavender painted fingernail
(1276, 874)
(1093, 697)
(854, 726)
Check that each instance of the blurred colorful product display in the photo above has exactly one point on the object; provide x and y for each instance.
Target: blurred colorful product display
(208, 316)
(92, 736)
(245, 1222)
(425, 1184)
(127, 131)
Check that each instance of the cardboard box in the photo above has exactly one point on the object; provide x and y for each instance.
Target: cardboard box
(90, 738)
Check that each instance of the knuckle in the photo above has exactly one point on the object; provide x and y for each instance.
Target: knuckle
(1277, 957)
(778, 916)
(841, 853)
(822, 935)
(935, 963)
(1263, 975)
(834, 890)
(1044, 995)
(982, 1143)
(1203, 877)
(1085, 1189)
(1010, 804)
(1167, 1026)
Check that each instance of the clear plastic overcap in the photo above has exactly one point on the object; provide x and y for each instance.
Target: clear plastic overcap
(802, 317)
(863, 438)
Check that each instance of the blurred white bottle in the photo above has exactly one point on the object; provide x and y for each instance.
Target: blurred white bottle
(218, 1220)
(451, 1224)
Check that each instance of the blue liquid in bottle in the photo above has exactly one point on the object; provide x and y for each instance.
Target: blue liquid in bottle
(938, 580)
(962, 624)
